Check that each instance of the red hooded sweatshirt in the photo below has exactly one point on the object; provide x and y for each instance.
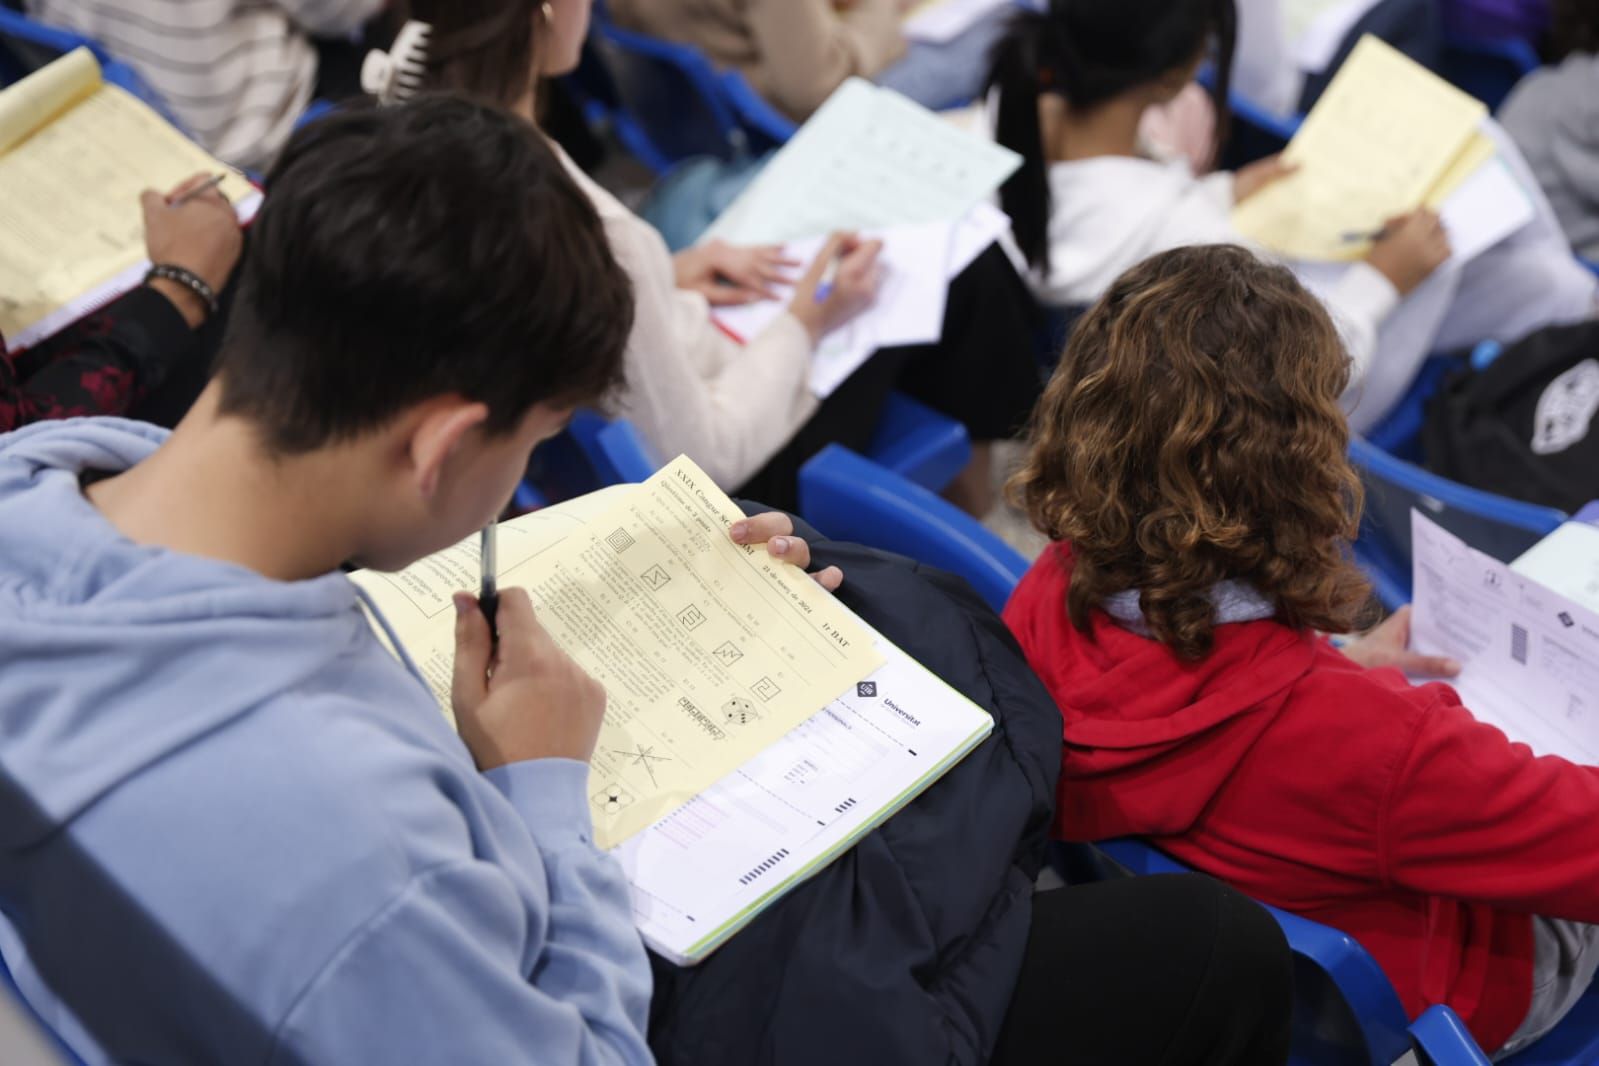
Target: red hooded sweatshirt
(1343, 794)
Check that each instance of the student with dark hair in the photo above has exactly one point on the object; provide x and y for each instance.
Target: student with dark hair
(745, 412)
(1189, 462)
(110, 361)
(236, 826)
(1073, 81)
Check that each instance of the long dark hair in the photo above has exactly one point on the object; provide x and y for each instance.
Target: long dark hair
(1091, 51)
(484, 49)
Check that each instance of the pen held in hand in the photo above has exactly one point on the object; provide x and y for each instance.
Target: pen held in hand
(1355, 236)
(204, 187)
(488, 593)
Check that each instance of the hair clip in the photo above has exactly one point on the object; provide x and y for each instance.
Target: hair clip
(400, 73)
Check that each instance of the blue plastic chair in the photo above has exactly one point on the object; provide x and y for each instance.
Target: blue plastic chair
(49, 42)
(919, 444)
(1497, 525)
(848, 497)
(1487, 69)
(668, 103)
(1345, 1008)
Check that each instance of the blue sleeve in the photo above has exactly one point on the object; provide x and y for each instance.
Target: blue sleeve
(439, 974)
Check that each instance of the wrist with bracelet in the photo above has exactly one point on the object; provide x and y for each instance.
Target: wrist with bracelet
(187, 279)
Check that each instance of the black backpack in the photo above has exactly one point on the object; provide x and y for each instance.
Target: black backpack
(1526, 426)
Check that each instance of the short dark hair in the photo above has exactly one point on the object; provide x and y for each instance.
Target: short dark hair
(407, 252)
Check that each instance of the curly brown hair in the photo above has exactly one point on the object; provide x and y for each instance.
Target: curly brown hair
(1191, 434)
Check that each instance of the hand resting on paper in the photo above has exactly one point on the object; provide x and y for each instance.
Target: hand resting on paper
(728, 276)
(201, 235)
(853, 287)
(523, 698)
(1389, 645)
(776, 531)
(1411, 248)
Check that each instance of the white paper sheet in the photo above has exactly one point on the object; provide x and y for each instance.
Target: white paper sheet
(1567, 561)
(909, 308)
(941, 21)
(1530, 655)
(1487, 208)
(702, 871)
(869, 159)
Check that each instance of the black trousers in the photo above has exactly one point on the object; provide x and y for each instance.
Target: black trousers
(983, 373)
(1150, 971)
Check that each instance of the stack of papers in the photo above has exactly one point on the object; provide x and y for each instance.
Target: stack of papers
(918, 262)
(1530, 655)
(869, 159)
(872, 162)
(755, 727)
(1388, 136)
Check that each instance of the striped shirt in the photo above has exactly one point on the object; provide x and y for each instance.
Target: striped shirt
(236, 73)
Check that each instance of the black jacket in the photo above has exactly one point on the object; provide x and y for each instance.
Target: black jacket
(906, 949)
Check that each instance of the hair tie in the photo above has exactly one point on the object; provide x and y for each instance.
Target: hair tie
(395, 76)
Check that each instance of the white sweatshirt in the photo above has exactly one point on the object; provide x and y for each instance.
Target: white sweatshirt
(692, 389)
(1112, 212)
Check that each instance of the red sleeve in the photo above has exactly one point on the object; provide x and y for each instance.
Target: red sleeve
(1472, 815)
(98, 366)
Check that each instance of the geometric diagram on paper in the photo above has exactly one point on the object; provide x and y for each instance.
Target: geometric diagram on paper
(766, 689)
(641, 756)
(728, 653)
(691, 617)
(739, 711)
(866, 690)
(655, 578)
(620, 541)
(613, 800)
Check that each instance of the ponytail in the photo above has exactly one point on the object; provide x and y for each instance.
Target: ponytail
(1022, 64)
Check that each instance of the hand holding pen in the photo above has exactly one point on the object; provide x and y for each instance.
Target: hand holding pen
(1408, 248)
(840, 283)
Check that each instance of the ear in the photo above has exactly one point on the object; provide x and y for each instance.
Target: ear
(437, 436)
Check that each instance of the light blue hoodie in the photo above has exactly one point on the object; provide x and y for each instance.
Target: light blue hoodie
(233, 828)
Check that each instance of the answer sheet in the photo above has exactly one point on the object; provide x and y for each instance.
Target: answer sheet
(702, 871)
(71, 227)
(868, 159)
(1377, 143)
(708, 651)
(1530, 655)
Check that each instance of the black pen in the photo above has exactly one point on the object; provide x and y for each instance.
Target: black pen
(488, 594)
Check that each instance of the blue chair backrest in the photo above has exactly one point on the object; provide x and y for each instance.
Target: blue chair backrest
(918, 443)
(1487, 69)
(672, 104)
(849, 497)
(592, 453)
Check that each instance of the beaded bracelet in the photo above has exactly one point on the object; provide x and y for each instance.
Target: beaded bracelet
(188, 279)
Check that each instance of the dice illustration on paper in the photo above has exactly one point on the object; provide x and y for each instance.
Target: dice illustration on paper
(739, 711)
(612, 801)
(727, 653)
(655, 578)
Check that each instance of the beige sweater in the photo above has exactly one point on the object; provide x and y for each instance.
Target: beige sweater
(692, 389)
(794, 52)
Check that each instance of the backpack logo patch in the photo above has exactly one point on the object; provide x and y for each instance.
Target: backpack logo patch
(1566, 409)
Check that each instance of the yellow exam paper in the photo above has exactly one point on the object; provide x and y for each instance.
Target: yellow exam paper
(709, 652)
(1376, 145)
(70, 220)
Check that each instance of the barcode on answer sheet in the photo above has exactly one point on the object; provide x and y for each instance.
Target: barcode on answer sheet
(1518, 643)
